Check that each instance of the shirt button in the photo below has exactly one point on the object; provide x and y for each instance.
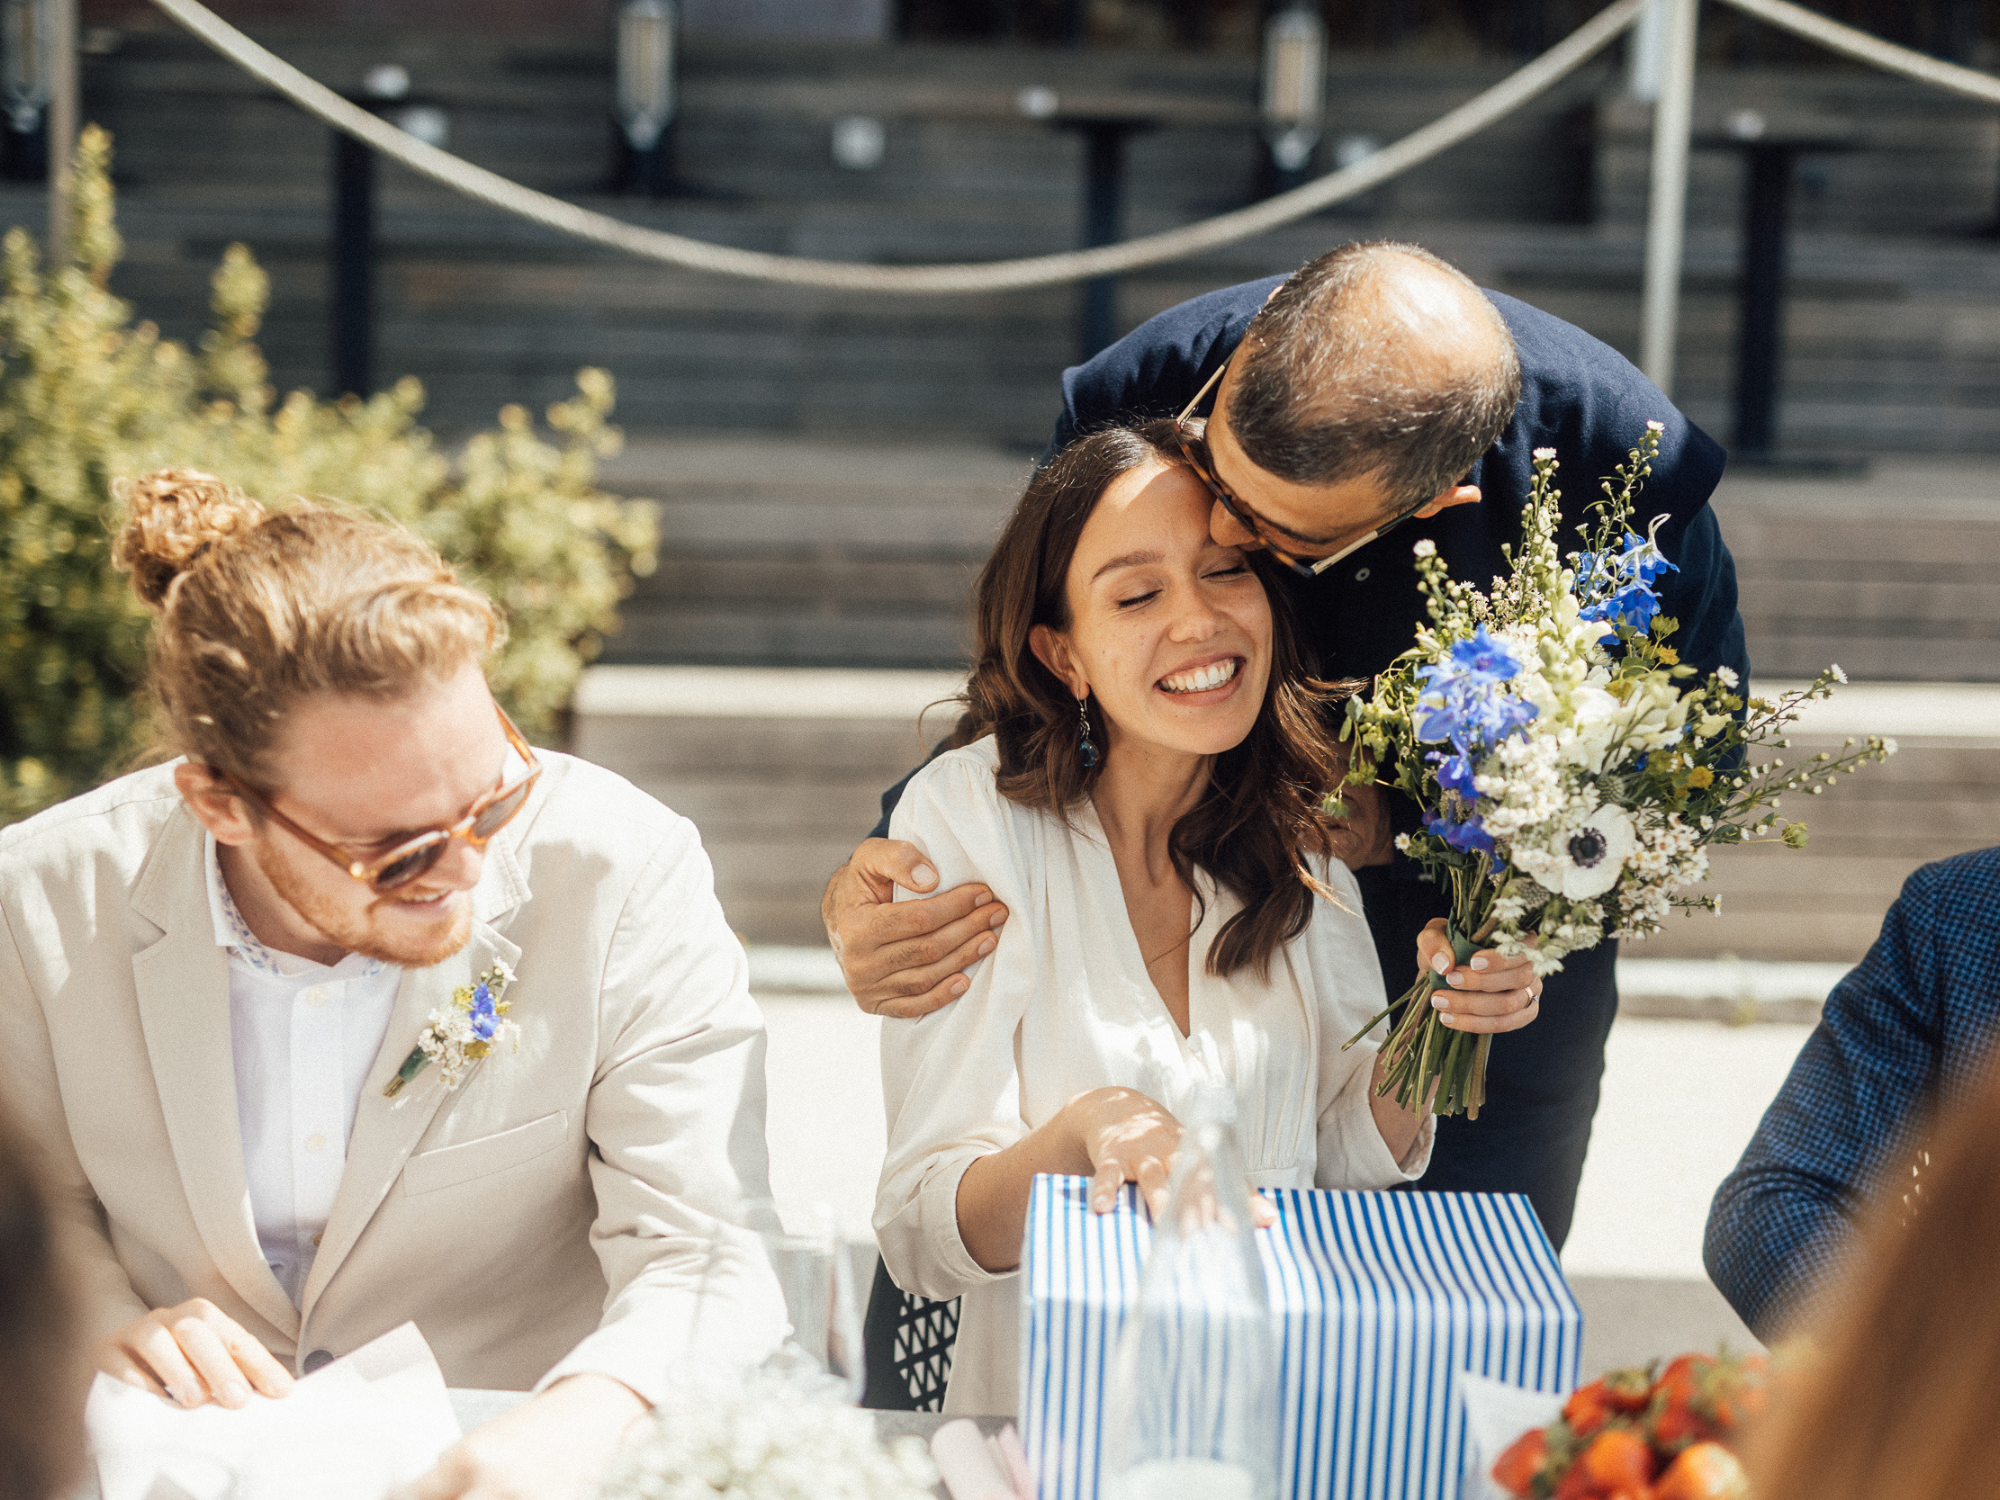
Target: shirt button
(315, 1142)
(319, 1359)
(315, 996)
(317, 1238)
(1360, 576)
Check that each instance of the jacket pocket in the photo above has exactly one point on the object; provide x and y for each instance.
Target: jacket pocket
(448, 1166)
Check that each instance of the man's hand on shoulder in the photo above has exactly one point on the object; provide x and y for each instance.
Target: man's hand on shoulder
(554, 1447)
(905, 958)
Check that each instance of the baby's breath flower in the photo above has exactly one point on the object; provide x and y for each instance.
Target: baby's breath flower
(1545, 453)
(1726, 676)
(1425, 547)
(1836, 673)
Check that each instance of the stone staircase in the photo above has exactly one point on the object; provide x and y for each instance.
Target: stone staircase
(1894, 341)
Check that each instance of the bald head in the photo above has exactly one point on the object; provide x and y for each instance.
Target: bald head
(1375, 361)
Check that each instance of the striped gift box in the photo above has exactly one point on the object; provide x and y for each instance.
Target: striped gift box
(1380, 1298)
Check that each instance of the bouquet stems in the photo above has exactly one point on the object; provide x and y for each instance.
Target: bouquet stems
(1427, 1064)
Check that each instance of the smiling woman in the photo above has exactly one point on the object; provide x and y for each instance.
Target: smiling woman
(1180, 915)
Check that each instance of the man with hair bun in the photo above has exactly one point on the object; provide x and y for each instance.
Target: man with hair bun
(1372, 399)
(364, 1011)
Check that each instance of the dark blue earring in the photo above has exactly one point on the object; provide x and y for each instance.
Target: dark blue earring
(1085, 744)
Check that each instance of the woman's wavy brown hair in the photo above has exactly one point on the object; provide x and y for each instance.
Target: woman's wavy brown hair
(1260, 814)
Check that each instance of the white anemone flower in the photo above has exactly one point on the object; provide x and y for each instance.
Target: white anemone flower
(1594, 854)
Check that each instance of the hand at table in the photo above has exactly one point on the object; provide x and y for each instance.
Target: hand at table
(905, 958)
(1488, 992)
(1128, 1137)
(192, 1354)
(554, 1447)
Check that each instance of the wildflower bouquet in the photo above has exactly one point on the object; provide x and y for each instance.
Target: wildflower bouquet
(1572, 773)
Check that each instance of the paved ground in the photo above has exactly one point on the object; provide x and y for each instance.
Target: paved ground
(1681, 1098)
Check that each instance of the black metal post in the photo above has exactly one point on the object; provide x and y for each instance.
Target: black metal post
(353, 306)
(1103, 202)
(1767, 204)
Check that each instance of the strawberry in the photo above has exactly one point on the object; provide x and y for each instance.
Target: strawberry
(1575, 1485)
(1515, 1470)
(1701, 1398)
(1705, 1471)
(1617, 1459)
(1588, 1408)
(1628, 1390)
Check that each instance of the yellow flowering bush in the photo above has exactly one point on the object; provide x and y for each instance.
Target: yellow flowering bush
(87, 396)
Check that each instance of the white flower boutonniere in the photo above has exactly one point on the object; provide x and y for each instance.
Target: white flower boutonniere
(463, 1032)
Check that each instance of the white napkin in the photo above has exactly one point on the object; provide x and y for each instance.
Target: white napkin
(374, 1419)
(1496, 1413)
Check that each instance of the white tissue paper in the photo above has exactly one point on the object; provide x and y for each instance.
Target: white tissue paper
(377, 1418)
(1496, 1413)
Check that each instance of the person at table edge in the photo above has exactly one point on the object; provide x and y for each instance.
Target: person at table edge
(1372, 398)
(212, 970)
(1906, 1036)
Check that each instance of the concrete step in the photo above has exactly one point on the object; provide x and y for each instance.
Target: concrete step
(840, 552)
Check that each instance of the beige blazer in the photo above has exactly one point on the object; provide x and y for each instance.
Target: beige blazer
(566, 1209)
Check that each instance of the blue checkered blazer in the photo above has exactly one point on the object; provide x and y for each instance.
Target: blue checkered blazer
(1911, 1026)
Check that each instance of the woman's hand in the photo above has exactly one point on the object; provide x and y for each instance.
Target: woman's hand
(1128, 1137)
(1490, 992)
(191, 1354)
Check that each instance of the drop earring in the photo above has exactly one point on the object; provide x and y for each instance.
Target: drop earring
(1085, 744)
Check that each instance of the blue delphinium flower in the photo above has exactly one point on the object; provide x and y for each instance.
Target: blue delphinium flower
(484, 1019)
(1467, 833)
(1617, 587)
(1455, 704)
(1454, 773)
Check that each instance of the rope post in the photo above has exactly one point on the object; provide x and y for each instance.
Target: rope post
(1666, 215)
(60, 123)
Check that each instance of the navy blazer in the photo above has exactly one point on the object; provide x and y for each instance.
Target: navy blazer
(1911, 1029)
(1578, 396)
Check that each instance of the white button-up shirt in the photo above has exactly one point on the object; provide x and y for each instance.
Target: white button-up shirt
(304, 1036)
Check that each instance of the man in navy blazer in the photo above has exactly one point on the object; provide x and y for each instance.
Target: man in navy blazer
(1372, 399)
(1910, 1032)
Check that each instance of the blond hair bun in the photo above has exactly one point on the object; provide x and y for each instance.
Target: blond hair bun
(172, 517)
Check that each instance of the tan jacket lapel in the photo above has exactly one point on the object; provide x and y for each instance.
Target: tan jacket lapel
(387, 1130)
(183, 989)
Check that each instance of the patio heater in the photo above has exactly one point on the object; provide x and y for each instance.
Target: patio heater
(385, 90)
(648, 50)
(1293, 105)
(27, 79)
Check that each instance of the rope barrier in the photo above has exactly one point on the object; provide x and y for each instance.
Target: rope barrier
(487, 187)
(1420, 145)
(1859, 45)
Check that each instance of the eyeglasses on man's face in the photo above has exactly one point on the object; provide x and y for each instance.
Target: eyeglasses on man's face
(1195, 450)
(416, 855)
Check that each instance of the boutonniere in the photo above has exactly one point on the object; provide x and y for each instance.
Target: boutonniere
(463, 1032)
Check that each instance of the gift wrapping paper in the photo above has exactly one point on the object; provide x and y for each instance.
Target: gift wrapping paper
(1379, 1300)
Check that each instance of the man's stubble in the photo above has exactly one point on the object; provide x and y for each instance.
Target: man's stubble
(336, 925)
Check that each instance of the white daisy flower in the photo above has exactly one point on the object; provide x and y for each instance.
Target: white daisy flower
(1726, 676)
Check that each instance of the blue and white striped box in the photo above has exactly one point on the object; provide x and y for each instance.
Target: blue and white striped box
(1380, 1300)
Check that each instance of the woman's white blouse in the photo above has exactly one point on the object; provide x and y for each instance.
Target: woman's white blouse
(1064, 1005)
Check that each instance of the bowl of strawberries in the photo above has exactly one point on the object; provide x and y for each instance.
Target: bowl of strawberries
(1644, 1434)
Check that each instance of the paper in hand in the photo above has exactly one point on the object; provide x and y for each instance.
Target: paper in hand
(377, 1418)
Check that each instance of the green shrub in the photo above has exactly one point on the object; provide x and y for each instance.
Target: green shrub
(87, 396)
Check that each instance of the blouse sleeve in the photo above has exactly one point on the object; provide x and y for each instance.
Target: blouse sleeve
(1347, 986)
(949, 1079)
